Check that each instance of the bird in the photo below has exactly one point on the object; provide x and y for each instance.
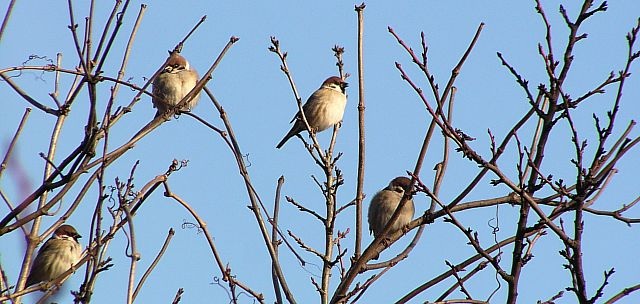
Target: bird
(384, 204)
(323, 109)
(173, 83)
(58, 254)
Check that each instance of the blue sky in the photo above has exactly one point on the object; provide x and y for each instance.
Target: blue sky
(257, 97)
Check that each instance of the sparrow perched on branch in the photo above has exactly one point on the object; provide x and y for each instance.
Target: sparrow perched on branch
(172, 84)
(384, 204)
(323, 109)
(58, 254)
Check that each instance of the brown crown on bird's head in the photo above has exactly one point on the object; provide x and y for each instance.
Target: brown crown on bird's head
(176, 62)
(400, 183)
(337, 81)
(67, 230)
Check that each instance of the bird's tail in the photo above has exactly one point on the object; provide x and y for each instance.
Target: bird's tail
(284, 140)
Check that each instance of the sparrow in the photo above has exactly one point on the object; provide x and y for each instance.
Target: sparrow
(175, 81)
(384, 204)
(57, 255)
(323, 109)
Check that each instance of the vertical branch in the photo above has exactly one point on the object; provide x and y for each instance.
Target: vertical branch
(581, 192)
(333, 179)
(518, 249)
(441, 168)
(73, 26)
(328, 165)
(330, 190)
(548, 122)
(361, 134)
(94, 253)
(33, 238)
(517, 261)
(329, 222)
(56, 89)
(95, 258)
(135, 256)
(536, 136)
(275, 242)
(576, 257)
(89, 32)
(4, 282)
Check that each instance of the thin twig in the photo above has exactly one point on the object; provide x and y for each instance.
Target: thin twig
(232, 141)
(134, 256)
(203, 226)
(14, 140)
(147, 273)
(7, 16)
(28, 98)
(275, 48)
